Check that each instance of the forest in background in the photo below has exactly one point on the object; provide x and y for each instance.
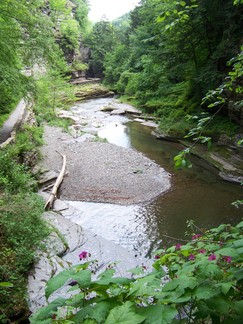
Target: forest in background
(166, 57)
(39, 50)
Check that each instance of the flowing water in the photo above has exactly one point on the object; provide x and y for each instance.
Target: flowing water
(197, 194)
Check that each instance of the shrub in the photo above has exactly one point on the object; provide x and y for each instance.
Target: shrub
(203, 284)
(21, 232)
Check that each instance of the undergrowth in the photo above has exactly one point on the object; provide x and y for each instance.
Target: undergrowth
(53, 92)
(199, 280)
(21, 226)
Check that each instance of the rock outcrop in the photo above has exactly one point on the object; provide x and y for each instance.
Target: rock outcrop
(63, 247)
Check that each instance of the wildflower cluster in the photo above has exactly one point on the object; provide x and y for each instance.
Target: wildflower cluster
(198, 282)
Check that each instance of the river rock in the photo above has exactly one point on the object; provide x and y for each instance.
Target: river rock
(86, 138)
(231, 177)
(132, 110)
(118, 112)
(47, 177)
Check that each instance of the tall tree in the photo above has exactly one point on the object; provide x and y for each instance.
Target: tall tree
(101, 41)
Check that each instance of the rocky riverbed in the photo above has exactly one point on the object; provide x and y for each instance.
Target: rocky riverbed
(96, 172)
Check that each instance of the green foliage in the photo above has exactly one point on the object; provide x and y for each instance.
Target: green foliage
(25, 38)
(181, 160)
(22, 230)
(173, 53)
(21, 226)
(81, 15)
(202, 283)
(14, 177)
(231, 88)
(69, 29)
(53, 92)
(101, 41)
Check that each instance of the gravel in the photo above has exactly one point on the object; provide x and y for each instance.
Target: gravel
(102, 172)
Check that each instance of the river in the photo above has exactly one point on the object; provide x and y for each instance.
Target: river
(197, 194)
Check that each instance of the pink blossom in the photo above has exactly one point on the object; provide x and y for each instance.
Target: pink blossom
(227, 259)
(202, 251)
(191, 257)
(196, 236)
(178, 246)
(84, 255)
(212, 257)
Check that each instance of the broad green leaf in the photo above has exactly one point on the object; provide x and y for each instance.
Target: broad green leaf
(225, 287)
(240, 225)
(219, 304)
(182, 282)
(238, 305)
(239, 274)
(6, 284)
(227, 252)
(107, 274)
(141, 285)
(186, 253)
(83, 278)
(238, 243)
(98, 312)
(124, 314)
(178, 298)
(160, 19)
(44, 315)
(183, 3)
(240, 251)
(158, 314)
(205, 292)
(107, 277)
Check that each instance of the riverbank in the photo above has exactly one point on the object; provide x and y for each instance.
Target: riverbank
(224, 155)
(96, 172)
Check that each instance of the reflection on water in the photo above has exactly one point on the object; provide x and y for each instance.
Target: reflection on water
(196, 194)
(128, 226)
(116, 133)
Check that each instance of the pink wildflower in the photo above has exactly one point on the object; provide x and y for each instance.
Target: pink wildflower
(191, 257)
(212, 257)
(84, 255)
(178, 246)
(227, 259)
(196, 236)
(202, 251)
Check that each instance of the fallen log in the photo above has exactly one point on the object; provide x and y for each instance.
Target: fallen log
(50, 201)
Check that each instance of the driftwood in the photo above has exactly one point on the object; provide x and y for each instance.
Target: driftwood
(59, 179)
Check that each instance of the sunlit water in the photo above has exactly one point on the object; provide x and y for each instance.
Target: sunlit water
(197, 193)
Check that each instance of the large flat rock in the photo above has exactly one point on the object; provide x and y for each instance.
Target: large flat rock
(62, 251)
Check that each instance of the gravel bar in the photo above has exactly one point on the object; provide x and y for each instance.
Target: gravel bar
(103, 172)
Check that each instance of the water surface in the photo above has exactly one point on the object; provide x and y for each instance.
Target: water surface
(196, 193)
